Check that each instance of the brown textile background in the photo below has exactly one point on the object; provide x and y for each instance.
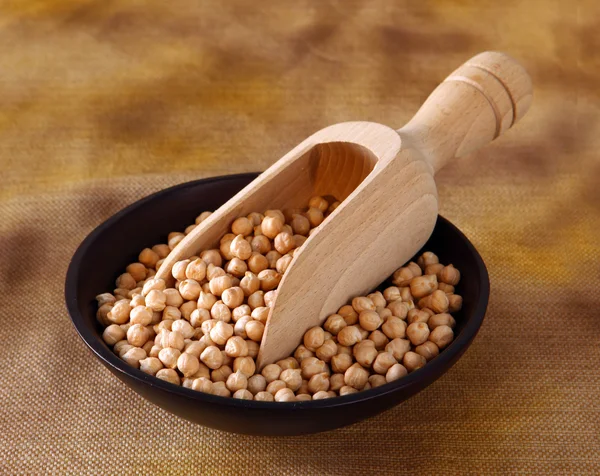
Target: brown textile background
(104, 102)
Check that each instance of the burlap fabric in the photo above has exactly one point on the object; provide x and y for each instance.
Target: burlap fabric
(104, 102)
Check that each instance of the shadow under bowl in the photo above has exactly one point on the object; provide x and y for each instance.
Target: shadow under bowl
(117, 242)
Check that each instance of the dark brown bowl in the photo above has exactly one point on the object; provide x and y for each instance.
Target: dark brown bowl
(116, 243)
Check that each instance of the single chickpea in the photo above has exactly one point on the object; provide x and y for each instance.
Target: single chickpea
(188, 364)
(271, 372)
(300, 224)
(276, 385)
(212, 357)
(365, 353)
(257, 384)
(377, 381)
(219, 284)
(383, 362)
(349, 314)
(327, 350)
(349, 336)
(394, 327)
(369, 320)
(398, 347)
(441, 336)
(356, 377)
(285, 395)
(433, 268)
(264, 397)
(443, 319)
(314, 338)
(213, 272)
(202, 384)
(221, 332)
(315, 217)
(283, 263)
(303, 397)
(189, 229)
(255, 218)
(118, 313)
(194, 347)
(271, 226)
(121, 347)
(347, 390)
(270, 297)
(299, 240)
(413, 361)
(257, 263)
(288, 363)
(275, 213)
(240, 248)
(341, 362)
(336, 381)
(225, 248)
(447, 288)
(242, 226)
(269, 279)
(150, 365)
(260, 314)
(173, 297)
(253, 348)
(334, 324)
(169, 375)
(318, 382)
(454, 303)
(156, 300)
(240, 311)
(403, 276)
(439, 301)
(333, 206)
(292, 378)
(198, 316)
(187, 308)
(189, 289)
(272, 257)
(261, 244)
(206, 300)
(211, 257)
(169, 356)
(237, 381)
(312, 366)
(233, 297)
(161, 250)
(302, 353)
(250, 283)
(422, 286)
(163, 325)
(136, 297)
(105, 298)
(395, 372)
(220, 389)
(283, 243)
(245, 365)
(406, 295)
(256, 299)
(137, 271)
(148, 258)
(255, 330)
(243, 394)
(319, 203)
(362, 303)
(449, 275)
(417, 332)
(428, 350)
(303, 388)
(343, 349)
(174, 238)
(417, 315)
(221, 374)
(378, 299)
(195, 270)
(426, 259)
(125, 281)
(391, 294)
(379, 339)
(236, 347)
(220, 312)
(398, 309)
(138, 335)
(121, 293)
(113, 334)
(239, 329)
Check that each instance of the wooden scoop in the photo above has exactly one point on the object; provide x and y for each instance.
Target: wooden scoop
(384, 180)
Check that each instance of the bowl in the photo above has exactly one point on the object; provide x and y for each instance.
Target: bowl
(117, 242)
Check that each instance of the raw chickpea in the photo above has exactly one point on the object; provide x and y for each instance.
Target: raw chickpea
(119, 313)
(220, 312)
(196, 270)
(136, 297)
(202, 384)
(105, 298)
(236, 267)
(189, 229)
(394, 327)
(237, 381)
(271, 226)
(341, 362)
(269, 279)
(356, 376)
(221, 374)
(188, 364)
(156, 300)
(343, 349)
(318, 382)
(233, 297)
(161, 250)
(150, 365)
(212, 358)
(221, 333)
(257, 263)
(327, 350)
(220, 389)
(206, 300)
(240, 248)
(245, 365)
(174, 238)
(292, 378)
(260, 314)
(272, 257)
(250, 283)
(121, 347)
(126, 326)
(315, 216)
(398, 308)
(174, 339)
(383, 362)
(242, 226)
(169, 375)
(417, 332)
(406, 295)
(449, 275)
(203, 216)
(369, 320)
(285, 395)
(283, 263)
(271, 372)
(391, 294)
(443, 319)
(349, 336)
(113, 334)
(126, 281)
(138, 335)
(413, 361)
(416, 315)
(283, 243)
(288, 363)
(379, 339)
(333, 206)
(447, 288)
(422, 286)
(173, 297)
(187, 308)
(255, 330)
(395, 372)
(427, 259)
(377, 299)
(121, 293)
(377, 381)
(438, 301)
(428, 350)
(433, 268)
(403, 276)
(398, 347)
(349, 314)
(299, 240)
(239, 329)
(336, 381)
(334, 324)
(261, 244)
(211, 257)
(347, 390)
(362, 303)
(441, 336)
(178, 271)
(314, 338)
(253, 348)
(319, 203)
(264, 397)
(240, 311)
(256, 299)
(302, 353)
(276, 385)
(225, 249)
(365, 353)
(169, 357)
(148, 258)
(189, 289)
(300, 224)
(137, 271)
(195, 348)
(256, 384)
(275, 213)
(220, 284)
(236, 347)
(163, 325)
(198, 316)
(454, 303)
(312, 366)
(270, 297)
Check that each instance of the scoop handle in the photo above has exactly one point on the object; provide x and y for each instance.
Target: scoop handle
(478, 102)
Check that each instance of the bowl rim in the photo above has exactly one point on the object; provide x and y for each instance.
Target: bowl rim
(429, 372)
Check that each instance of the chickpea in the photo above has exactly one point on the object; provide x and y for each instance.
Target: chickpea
(365, 353)
(271, 372)
(245, 365)
(261, 244)
(271, 226)
(347, 390)
(319, 203)
(443, 319)
(349, 314)
(312, 366)
(300, 224)
(256, 299)
(428, 349)
(253, 348)
(211, 257)
(220, 283)
(138, 335)
(449, 275)
(283, 263)
(188, 364)
(264, 397)
(113, 334)
(454, 303)
(156, 300)
(236, 267)
(292, 378)
(285, 395)
(327, 350)
(257, 263)
(441, 336)
(433, 269)
(398, 309)
(362, 303)
(202, 384)
(283, 243)
(438, 301)
(255, 330)
(148, 258)
(417, 315)
(198, 316)
(272, 257)
(250, 283)
(240, 311)
(349, 336)
(194, 347)
(187, 308)
(422, 286)
(288, 363)
(369, 320)
(356, 376)
(150, 365)
(260, 314)
(237, 381)
(276, 385)
(315, 216)
(403, 276)
(377, 381)
(394, 327)
(119, 313)
(240, 327)
(221, 374)
(220, 389)
(336, 381)
(417, 332)
(256, 384)
(168, 356)
(314, 338)
(379, 339)
(302, 353)
(221, 332)
(212, 358)
(377, 298)
(270, 297)
(269, 279)
(413, 361)
(169, 375)
(398, 347)
(318, 382)
(395, 372)
(334, 324)
(236, 347)
(240, 248)
(383, 362)
(341, 362)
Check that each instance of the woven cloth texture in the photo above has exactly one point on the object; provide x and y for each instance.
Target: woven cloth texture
(102, 103)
